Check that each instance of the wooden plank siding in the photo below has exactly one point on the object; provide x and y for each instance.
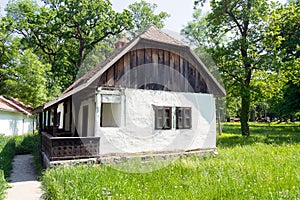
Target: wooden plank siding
(155, 69)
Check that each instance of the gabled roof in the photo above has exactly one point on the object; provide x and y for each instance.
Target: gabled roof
(153, 34)
(13, 105)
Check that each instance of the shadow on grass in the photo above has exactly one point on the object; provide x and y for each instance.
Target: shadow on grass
(260, 133)
(18, 145)
(6, 156)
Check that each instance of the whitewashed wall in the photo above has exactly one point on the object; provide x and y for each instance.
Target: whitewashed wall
(137, 132)
(13, 123)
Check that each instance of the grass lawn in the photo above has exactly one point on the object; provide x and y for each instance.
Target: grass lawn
(263, 166)
(11, 146)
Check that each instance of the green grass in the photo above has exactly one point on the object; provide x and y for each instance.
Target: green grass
(11, 146)
(263, 166)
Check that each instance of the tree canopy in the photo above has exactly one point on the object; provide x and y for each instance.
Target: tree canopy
(237, 34)
(63, 32)
(64, 35)
(143, 14)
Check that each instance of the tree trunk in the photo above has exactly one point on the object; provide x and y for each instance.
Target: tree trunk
(245, 113)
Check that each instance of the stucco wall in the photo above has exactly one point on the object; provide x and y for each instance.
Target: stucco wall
(137, 132)
(12, 123)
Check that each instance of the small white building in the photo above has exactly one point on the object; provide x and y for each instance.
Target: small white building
(15, 117)
(152, 95)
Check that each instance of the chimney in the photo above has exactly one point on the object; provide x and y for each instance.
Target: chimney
(121, 43)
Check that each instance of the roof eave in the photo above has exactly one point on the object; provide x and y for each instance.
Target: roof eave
(95, 76)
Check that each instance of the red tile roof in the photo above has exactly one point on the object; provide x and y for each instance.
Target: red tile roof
(13, 105)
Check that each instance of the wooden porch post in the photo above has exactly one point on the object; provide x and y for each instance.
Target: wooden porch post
(44, 124)
(49, 116)
(55, 122)
(71, 119)
(64, 115)
(40, 121)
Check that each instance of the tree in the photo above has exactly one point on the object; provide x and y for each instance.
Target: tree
(63, 32)
(284, 37)
(8, 49)
(143, 17)
(243, 24)
(27, 79)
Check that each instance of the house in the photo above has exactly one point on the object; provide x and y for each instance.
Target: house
(15, 117)
(153, 94)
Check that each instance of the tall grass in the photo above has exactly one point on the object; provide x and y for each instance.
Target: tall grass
(263, 166)
(11, 146)
(7, 150)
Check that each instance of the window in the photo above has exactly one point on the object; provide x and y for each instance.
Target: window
(163, 118)
(111, 115)
(183, 118)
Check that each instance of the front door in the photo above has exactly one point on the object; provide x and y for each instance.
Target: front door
(85, 120)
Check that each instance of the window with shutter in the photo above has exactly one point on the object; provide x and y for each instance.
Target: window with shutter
(163, 118)
(183, 118)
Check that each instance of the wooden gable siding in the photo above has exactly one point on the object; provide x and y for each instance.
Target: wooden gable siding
(154, 69)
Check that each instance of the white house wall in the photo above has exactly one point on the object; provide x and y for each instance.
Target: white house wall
(14, 123)
(137, 131)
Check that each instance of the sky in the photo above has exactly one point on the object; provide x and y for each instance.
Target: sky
(180, 10)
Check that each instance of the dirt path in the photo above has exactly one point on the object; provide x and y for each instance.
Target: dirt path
(23, 180)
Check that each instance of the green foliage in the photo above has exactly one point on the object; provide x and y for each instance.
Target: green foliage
(11, 146)
(196, 31)
(266, 168)
(27, 79)
(3, 185)
(7, 152)
(144, 17)
(63, 32)
(8, 49)
(241, 37)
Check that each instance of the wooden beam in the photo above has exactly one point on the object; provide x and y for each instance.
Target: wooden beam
(55, 121)
(40, 121)
(155, 67)
(126, 76)
(148, 68)
(49, 116)
(45, 116)
(64, 114)
(71, 117)
(133, 71)
(140, 68)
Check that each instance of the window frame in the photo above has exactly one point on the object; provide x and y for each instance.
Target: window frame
(164, 116)
(183, 116)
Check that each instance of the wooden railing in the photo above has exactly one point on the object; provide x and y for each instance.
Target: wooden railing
(65, 148)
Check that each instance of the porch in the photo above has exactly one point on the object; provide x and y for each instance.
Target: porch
(69, 148)
(60, 137)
